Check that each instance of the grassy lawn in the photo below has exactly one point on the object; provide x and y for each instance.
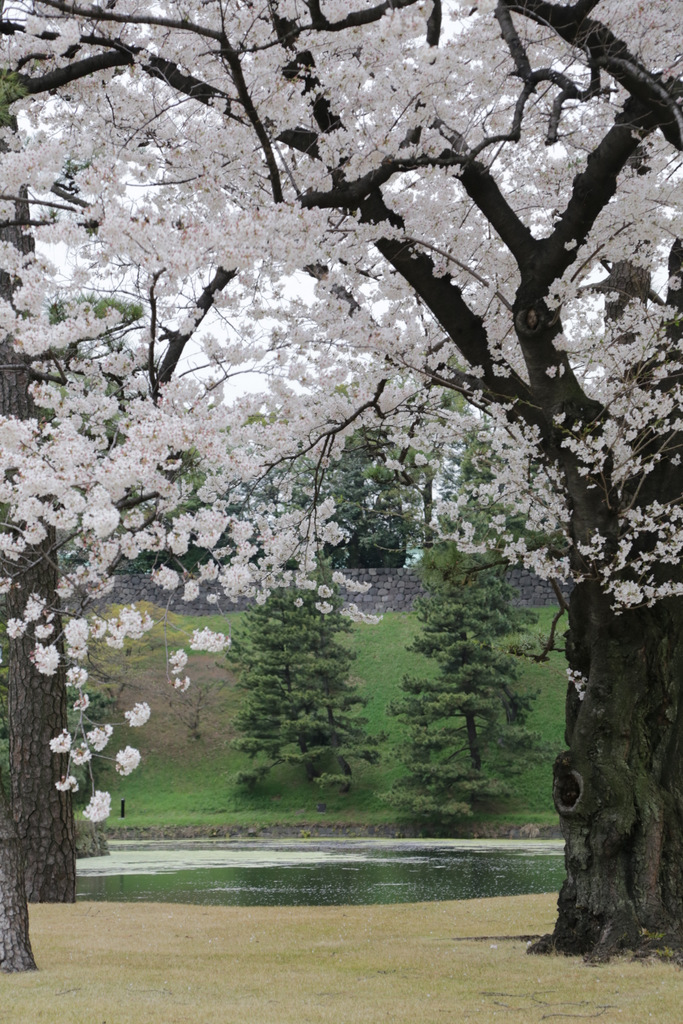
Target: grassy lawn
(108, 963)
(186, 777)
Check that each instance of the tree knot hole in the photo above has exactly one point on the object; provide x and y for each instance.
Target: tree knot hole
(536, 318)
(567, 789)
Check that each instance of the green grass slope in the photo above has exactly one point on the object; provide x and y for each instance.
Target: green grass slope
(186, 775)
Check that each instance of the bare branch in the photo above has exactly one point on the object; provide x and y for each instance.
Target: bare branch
(606, 51)
(99, 14)
(177, 340)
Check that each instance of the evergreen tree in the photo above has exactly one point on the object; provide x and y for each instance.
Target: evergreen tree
(376, 511)
(301, 708)
(469, 717)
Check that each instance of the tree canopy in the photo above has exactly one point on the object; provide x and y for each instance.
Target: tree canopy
(301, 706)
(374, 203)
(464, 724)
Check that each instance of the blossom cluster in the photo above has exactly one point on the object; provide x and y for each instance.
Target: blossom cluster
(198, 245)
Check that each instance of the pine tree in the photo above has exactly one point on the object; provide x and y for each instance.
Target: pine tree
(384, 512)
(301, 708)
(470, 715)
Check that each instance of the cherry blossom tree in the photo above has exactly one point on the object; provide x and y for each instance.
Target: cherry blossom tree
(48, 460)
(100, 429)
(479, 198)
(94, 460)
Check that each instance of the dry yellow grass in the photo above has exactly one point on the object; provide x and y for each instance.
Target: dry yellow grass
(107, 963)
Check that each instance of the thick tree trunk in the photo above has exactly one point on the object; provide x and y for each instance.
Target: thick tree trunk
(346, 771)
(15, 945)
(511, 704)
(619, 786)
(37, 712)
(37, 703)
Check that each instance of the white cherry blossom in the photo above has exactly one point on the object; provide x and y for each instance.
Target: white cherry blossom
(99, 737)
(61, 744)
(127, 760)
(99, 807)
(138, 715)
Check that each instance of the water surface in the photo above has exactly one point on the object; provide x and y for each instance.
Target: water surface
(320, 872)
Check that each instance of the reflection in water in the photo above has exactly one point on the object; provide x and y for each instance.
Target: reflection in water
(379, 876)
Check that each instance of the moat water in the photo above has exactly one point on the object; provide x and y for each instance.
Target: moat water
(320, 872)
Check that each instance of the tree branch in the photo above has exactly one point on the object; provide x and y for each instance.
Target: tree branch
(607, 51)
(104, 14)
(231, 58)
(356, 18)
(177, 340)
(444, 298)
(434, 25)
(592, 190)
(72, 72)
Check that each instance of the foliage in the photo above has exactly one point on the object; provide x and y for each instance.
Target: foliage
(11, 90)
(380, 510)
(471, 714)
(192, 782)
(100, 305)
(301, 707)
(371, 204)
(89, 777)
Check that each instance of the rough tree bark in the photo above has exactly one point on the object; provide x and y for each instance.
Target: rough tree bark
(310, 769)
(619, 786)
(15, 945)
(339, 757)
(473, 741)
(37, 712)
(37, 703)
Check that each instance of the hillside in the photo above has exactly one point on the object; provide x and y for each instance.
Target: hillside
(186, 774)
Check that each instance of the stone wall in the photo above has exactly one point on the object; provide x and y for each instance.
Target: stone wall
(392, 590)
(533, 591)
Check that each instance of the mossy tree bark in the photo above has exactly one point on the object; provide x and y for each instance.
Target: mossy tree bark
(619, 786)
